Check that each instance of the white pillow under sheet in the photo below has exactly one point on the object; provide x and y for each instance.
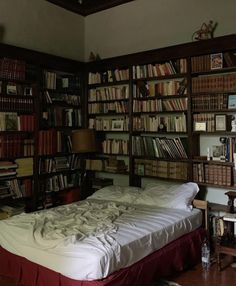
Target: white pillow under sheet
(169, 195)
(117, 193)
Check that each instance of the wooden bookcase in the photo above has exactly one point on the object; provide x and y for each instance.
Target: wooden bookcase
(41, 102)
(181, 104)
(156, 113)
(108, 113)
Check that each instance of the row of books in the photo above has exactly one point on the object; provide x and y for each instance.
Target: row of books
(210, 102)
(160, 147)
(108, 107)
(173, 87)
(207, 118)
(11, 209)
(60, 116)
(109, 124)
(50, 80)
(214, 83)
(111, 165)
(212, 61)
(14, 188)
(108, 93)
(212, 174)
(17, 104)
(70, 99)
(108, 76)
(60, 182)
(115, 146)
(160, 69)
(161, 169)
(59, 163)
(52, 142)
(11, 121)
(10, 188)
(14, 145)
(158, 105)
(12, 69)
(163, 123)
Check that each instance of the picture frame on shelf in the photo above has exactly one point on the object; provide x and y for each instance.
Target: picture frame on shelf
(216, 61)
(11, 88)
(28, 91)
(117, 125)
(220, 122)
(141, 170)
(218, 153)
(200, 126)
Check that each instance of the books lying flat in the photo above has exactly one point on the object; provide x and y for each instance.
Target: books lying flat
(230, 217)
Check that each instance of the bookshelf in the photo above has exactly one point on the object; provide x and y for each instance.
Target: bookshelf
(18, 121)
(108, 114)
(40, 105)
(60, 112)
(213, 85)
(181, 110)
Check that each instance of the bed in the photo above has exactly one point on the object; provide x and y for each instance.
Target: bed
(118, 236)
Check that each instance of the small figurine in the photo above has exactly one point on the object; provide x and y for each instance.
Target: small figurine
(205, 32)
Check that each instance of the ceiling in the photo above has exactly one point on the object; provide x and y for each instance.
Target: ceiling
(87, 7)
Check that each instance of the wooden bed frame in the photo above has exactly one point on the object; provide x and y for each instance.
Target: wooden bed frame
(184, 252)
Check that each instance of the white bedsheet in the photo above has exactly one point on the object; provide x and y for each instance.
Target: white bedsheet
(91, 239)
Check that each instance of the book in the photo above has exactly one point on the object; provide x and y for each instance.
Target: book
(230, 217)
(11, 121)
(230, 59)
(216, 61)
(232, 101)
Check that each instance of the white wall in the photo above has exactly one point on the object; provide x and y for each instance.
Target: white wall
(42, 26)
(148, 24)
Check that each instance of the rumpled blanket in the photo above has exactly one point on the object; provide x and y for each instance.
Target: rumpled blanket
(69, 223)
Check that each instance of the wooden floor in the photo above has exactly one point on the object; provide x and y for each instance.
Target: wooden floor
(192, 277)
(197, 277)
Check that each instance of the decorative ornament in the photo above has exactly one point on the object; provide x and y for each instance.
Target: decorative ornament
(205, 32)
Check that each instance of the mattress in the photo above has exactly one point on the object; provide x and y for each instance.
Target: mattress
(91, 239)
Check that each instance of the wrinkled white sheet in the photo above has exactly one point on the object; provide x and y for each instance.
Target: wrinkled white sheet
(91, 239)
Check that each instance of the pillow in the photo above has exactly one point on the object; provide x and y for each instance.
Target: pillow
(162, 186)
(117, 193)
(169, 195)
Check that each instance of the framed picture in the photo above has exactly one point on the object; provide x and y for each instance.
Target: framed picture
(220, 122)
(200, 126)
(216, 61)
(11, 88)
(28, 91)
(117, 125)
(218, 153)
(140, 170)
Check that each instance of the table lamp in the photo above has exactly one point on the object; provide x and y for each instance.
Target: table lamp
(84, 141)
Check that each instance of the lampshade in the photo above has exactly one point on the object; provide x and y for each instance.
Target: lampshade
(83, 141)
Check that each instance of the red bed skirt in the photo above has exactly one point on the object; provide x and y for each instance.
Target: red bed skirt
(176, 256)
